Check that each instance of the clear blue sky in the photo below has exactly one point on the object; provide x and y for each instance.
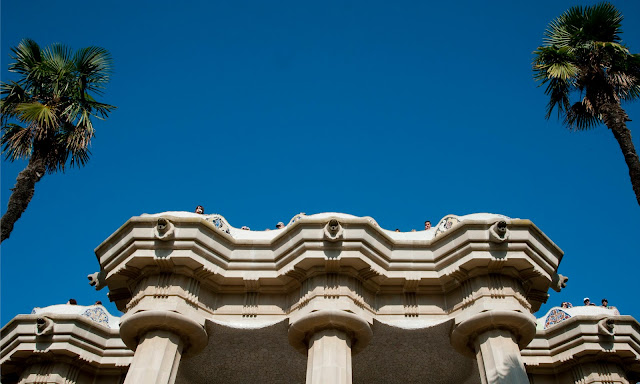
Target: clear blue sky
(260, 110)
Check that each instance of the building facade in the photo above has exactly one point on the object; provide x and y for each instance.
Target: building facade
(329, 298)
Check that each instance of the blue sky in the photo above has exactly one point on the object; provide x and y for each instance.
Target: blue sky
(261, 110)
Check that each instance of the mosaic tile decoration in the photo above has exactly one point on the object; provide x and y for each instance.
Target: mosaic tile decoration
(556, 316)
(98, 315)
(296, 218)
(446, 223)
(219, 222)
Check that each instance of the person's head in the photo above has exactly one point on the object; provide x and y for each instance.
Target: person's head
(427, 225)
(72, 302)
(397, 229)
(586, 301)
(200, 209)
(605, 302)
(98, 302)
(280, 225)
(564, 304)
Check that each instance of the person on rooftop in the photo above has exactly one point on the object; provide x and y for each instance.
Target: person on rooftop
(280, 225)
(200, 209)
(427, 225)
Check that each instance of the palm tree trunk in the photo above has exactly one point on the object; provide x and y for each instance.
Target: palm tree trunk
(616, 119)
(22, 194)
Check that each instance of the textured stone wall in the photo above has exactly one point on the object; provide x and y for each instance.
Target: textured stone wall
(264, 356)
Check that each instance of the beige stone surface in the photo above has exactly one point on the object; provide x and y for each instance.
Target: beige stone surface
(329, 357)
(499, 359)
(580, 349)
(74, 349)
(156, 358)
(208, 303)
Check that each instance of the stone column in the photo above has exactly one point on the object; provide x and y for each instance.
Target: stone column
(495, 339)
(329, 338)
(159, 339)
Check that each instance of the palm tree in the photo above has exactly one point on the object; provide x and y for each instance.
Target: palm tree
(589, 72)
(46, 114)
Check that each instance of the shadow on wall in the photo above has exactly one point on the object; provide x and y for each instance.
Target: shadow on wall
(264, 356)
(422, 356)
(236, 355)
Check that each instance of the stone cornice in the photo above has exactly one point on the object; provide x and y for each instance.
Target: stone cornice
(72, 339)
(365, 249)
(585, 338)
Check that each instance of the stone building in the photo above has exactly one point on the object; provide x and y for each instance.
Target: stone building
(329, 298)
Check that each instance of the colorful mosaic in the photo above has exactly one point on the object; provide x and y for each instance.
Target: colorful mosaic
(446, 223)
(296, 218)
(219, 222)
(98, 315)
(556, 316)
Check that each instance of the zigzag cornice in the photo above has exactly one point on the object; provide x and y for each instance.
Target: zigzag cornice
(224, 254)
(100, 348)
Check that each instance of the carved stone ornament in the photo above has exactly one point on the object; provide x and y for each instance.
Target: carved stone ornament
(96, 280)
(498, 232)
(606, 327)
(44, 326)
(559, 281)
(333, 231)
(164, 230)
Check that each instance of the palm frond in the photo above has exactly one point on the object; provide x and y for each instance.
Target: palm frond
(553, 62)
(94, 66)
(16, 142)
(602, 22)
(583, 55)
(558, 90)
(75, 139)
(632, 93)
(12, 96)
(39, 114)
(53, 102)
(580, 25)
(580, 117)
(27, 58)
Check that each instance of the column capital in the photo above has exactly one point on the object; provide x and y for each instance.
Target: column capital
(521, 325)
(354, 326)
(134, 326)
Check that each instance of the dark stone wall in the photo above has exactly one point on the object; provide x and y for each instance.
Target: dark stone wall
(264, 356)
(413, 356)
(245, 356)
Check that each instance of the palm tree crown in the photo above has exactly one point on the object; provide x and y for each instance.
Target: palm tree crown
(48, 111)
(588, 72)
(46, 115)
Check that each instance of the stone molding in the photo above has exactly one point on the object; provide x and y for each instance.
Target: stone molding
(277, 266)
(134, 326)
(71, 340)
(354, 326)
(331, 276)
(522, 327)
(581, 341)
